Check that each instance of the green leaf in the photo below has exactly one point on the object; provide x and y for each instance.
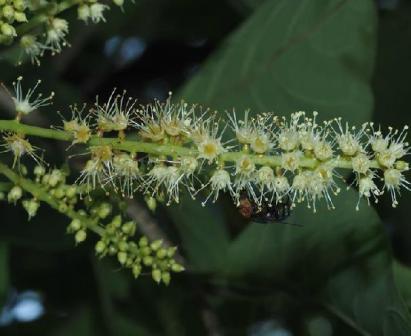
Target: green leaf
(293, 55)
(309, 55)
(402, 276)
(203, 234)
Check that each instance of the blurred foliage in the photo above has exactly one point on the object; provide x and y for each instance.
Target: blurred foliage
(336, 272)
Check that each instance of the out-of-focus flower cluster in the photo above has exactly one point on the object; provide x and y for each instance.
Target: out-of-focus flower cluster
(50, 31)
(116, 234)
(181, 148)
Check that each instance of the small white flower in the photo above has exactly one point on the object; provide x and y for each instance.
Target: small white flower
(323, 150)
(244, 129)
(27, 103)
(291, 160)
(56, 34)
(367, 188)
(33, 48)
(19, 147)
(261, 143)
(281, 188)
(349, 139)
(115, 114)
(288, 140)
(361, 163)
(219, 181)
(83, 12)
(96, 12)
(126, 173)
(393, 180)
(210, 148)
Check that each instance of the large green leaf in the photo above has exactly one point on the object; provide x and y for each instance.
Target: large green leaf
(310, 55)
(293, 55)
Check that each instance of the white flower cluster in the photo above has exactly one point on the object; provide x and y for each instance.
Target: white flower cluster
(162, 148)
(14, 13)
(273, 159)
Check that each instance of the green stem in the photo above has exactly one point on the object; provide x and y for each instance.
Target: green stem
(165, 149)
(44, 14)
(41, 194)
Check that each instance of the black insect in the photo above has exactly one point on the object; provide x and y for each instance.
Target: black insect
(265, 213)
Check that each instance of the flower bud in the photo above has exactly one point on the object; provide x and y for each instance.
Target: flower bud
(166, 277)
(155, 245)
(20, 17)
(156, 274)
(118, 2)
(75, 225)
(122, 257)
(136, 270)
(104, 210)
(8, 12)
(31, 206)
(8, 30)
(15, 194)
(177, 268)
(39, 170)
(100, 247)
(83, 12)
(80, 236)
(129, 228)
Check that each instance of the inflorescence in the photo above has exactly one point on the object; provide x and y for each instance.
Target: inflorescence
(100, 216)
(36, 27)
(184, 148)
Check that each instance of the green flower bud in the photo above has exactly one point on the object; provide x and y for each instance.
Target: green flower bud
(31, 206)
(116, 222)
(148, 260)
(39, 170)
(145, 251)
(80, 236)
(15, 194)
(155, 245)
(71, 191)
(83, 12)
(136, 270)
(59, 192)
(75, 225)
(104, 210)
(20, 17)
(110, 229)
(151, 203)
(156, 274)
(63, 207)
(8, 12)
(129, 228)
(166, 277)
(8, 30)
(161, 253)
(23, 170)
(122, 257)
(100, 247)
(56, 177)
(112, 250)
(143, 242)
(118, 2)
(177, 268)
(20, 5)
(402, 165)
(171, 251)
(123, 246)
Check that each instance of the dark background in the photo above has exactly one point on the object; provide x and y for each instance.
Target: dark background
(155, 47)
